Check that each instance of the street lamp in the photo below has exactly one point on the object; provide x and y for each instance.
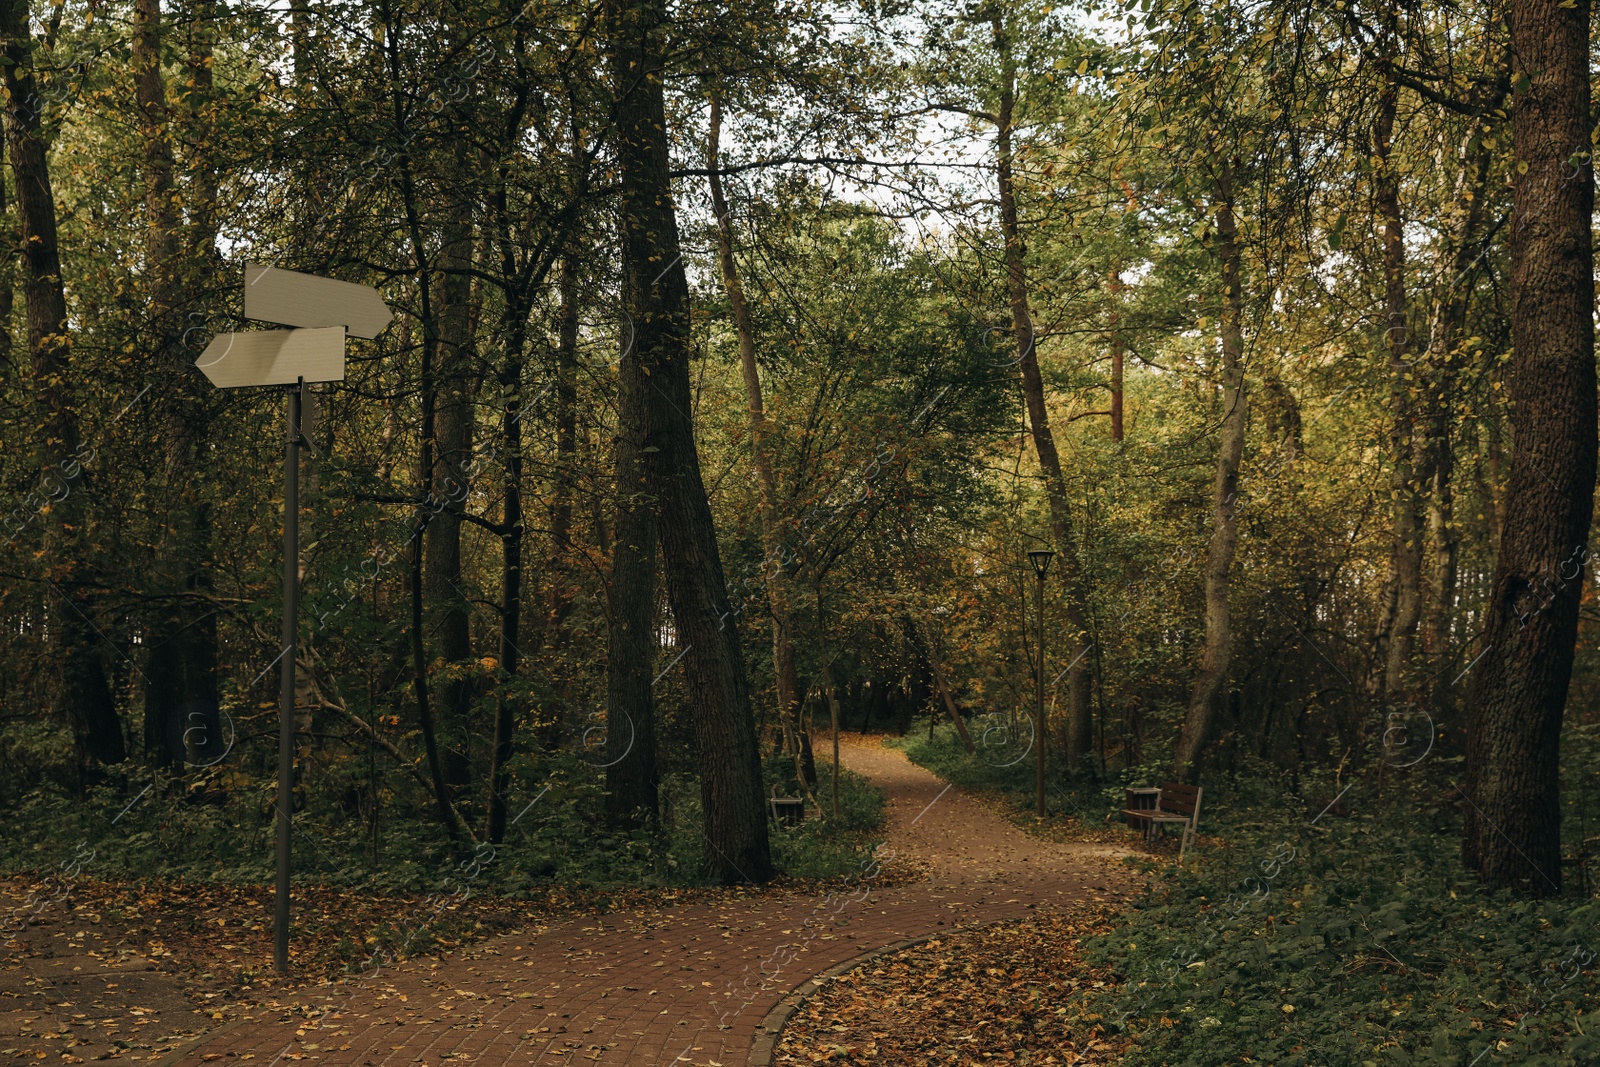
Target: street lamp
(1040, 558)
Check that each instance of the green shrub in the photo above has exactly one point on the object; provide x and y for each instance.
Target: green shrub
(1348, 940)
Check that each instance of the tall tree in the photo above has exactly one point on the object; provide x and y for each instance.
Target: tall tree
(1217, 652)
(1405, 569)
(656, 296)
(631, 777)
(82, 696)
(181, 700)
(778, 599)
(1079, 712)
(452, 434)
(1511, 833)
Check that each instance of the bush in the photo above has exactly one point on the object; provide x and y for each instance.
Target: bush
(219, 827)
(1348, 940)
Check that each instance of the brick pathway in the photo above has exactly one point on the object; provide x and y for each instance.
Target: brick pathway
(687, 985)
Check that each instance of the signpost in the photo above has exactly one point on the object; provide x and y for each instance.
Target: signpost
(326, 310)
(274, 357)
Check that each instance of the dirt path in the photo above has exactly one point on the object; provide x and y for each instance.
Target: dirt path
(687, 985)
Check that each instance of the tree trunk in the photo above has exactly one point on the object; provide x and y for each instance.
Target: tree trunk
(182, 694)
(1079, 731)
(631, 780)
(511, 533)
(427, 390)
(82, 695)
(1218, 648)
(919, 688)
(1511, 833)
(771, 536)
(452, 422)
(566, 444)
(1118, 352)
(1405, 552)
(656, 294)
(201, 106)
(1449, 320)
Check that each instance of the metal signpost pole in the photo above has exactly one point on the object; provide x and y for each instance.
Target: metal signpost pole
(286, 685)
(324, 311)
(1040, 558)
(1038, 718)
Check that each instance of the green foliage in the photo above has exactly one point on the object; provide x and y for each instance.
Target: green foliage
(219, 828)
(1349, 939)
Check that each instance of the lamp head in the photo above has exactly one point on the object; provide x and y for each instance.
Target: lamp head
(1040, 558)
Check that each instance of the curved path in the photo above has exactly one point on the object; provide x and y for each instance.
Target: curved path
(683, 985)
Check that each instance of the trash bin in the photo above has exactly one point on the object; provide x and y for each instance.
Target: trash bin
(787, 811)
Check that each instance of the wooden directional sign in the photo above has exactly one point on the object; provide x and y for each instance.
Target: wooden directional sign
(289, 298)
(274, 357)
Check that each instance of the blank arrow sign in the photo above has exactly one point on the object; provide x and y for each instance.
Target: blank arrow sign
(274, 357)
(290, 298)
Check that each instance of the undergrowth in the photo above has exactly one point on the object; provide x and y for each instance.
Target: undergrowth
(1328, 923)
(201, 829)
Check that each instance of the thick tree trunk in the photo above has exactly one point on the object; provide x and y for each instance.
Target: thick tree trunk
(82, 695)
(1405, 553)
(1511, 833)
(1074, 639)
(201, 106)
(182, 694)
(778, 600)
(1218, 649)
(452, 421)
(631, 781)
(656, 294)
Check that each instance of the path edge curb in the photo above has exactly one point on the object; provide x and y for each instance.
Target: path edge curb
(771, 1029)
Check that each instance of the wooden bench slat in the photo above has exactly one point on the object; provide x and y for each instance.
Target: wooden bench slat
(1157, 816)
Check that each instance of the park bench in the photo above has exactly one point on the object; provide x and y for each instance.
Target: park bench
(1171, 803)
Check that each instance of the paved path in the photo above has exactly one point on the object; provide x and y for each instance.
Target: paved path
(70, 990)
(687, 985)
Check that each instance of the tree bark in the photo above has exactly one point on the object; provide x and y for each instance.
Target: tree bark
(1511, 833)
(778, 600)
(631, 777)
(1405, 553)
(452, 433)
(1449, 320)
(201, 106)
(1118, 352)
(82, 695)
(1218, 648)
(427, 389)
(656, 295)
(182, 694)
(511, 535)
(565, 423)
(1079, 731)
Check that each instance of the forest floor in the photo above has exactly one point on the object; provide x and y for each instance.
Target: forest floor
(658, 976)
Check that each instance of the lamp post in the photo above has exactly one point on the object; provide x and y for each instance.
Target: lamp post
(1040, 558)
